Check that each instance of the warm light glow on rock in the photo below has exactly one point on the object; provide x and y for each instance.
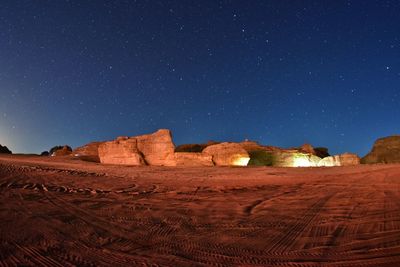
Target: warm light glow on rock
(301, 162)
(241, 161)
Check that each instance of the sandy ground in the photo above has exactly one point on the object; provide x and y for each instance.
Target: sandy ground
(62, 212)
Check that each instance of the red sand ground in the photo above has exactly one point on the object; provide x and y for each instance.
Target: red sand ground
(61, 212)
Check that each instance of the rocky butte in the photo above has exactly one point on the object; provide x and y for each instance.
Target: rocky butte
(158, 149)
(4, 150)
(385, 150)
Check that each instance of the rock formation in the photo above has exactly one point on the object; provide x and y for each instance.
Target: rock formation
(295, 159)
(88, 152)
(152, 149)
(346, 159)
(193, 159)
(385, 150)
(45, 154)
(307, 149)
(194, 147)
(123, 151)
(157, 148)
(228, 154)
(60, 151)
(321, 152)
(261, 158)
(4, 150)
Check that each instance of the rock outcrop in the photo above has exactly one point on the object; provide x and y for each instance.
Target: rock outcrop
(58, 151)
(45, 154)
(192, 159)
(307, 149)
(194, 147)
(4, 150)
(385, 150)
(157, 148)
(228, 154)
(152, 149)
(346, 159)
(88, 152)
(295, 159)
(321, 152)
(122, 151)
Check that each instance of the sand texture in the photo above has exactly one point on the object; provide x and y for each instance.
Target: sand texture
(63, 212)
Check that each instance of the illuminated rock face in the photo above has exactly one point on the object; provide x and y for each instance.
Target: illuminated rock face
(346, 159)
(152, 149)
(121, 152)
(349, 159)
(192, 159)
(295, 159)
(157, 148)
(385, 150)
(228, 154)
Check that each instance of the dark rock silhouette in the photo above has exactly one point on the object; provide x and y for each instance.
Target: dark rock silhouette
(5, 150)
(321, 152)
(385, 150)
(45, 153)
(194, 147)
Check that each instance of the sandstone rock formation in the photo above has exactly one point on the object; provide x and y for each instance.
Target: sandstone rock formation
(346, 159)
(251, 146)
(295, 159)
(307, 149)
(152, 149)
(321, 152)
(193, 159)
(88, 152)
(228, 154)
(385, 150)
(261, 158)
(157, 148)
(4, 150)
(60, 151)
(122, 151)
(194, 147)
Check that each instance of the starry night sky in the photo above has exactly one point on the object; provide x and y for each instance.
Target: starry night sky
(279, 72)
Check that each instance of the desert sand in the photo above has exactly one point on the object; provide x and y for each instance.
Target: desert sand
(64, 212)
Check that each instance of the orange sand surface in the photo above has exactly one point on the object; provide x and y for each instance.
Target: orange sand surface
(65, 212)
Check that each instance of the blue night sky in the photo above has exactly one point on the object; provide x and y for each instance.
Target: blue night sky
(279, 72)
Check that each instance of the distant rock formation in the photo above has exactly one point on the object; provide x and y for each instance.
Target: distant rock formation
(88, 152)
(45, 154)
(321, 152)
(295, 159)
(194, 147)
(157, 148)
(4, 150)
(152, 149)
(60, 151)
(193, 159)
(308, 149)
(385, 150)
(346, 159)
(228, 154)
(122, 151)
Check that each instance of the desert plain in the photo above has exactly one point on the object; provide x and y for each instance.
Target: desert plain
(57, 211)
